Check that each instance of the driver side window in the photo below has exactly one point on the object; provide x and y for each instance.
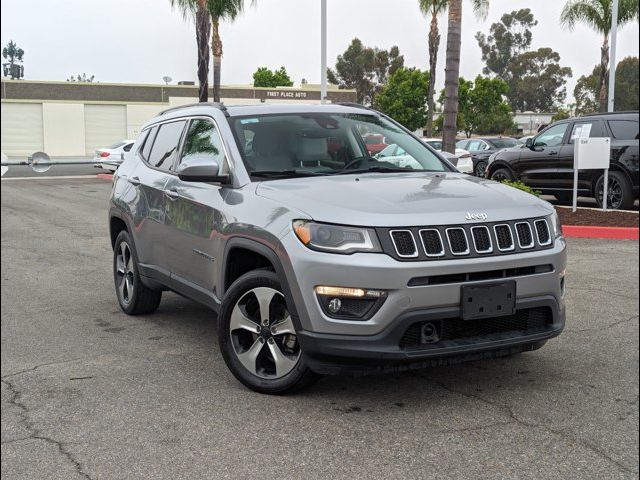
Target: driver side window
(552, 137)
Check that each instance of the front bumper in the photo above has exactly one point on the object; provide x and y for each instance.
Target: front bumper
(353, 354)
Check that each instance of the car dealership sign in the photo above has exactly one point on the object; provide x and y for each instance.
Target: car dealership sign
(286, 94)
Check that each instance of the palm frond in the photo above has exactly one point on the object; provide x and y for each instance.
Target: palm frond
(595, 13)
(431, 7)
(187, 7)
(480, 8)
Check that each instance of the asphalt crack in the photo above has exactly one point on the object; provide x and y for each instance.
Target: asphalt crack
(31, 369)
(35, 433)
(511, 413)
(601, 328)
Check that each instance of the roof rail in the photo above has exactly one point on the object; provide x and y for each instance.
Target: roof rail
(353, 104)
(219, 105)
(597, 114)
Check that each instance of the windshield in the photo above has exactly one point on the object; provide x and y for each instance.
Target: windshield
(116, 145)
(327, 144)
(503, 142)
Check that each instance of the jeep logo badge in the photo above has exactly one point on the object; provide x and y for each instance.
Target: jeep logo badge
(476, 216)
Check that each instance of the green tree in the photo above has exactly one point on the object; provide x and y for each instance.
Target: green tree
(464, 88)
(432, 8)
(13, 67)
(535, 78)
(452, 69)
(404, 97)
(82, 78)
(507, 39)
(537, 81)
(198, 10)
(264, 77)
(561, 114)
(587, 88)
(597, 15)
(365, 69)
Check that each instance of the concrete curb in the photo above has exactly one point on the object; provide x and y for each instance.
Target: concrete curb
(613, 233)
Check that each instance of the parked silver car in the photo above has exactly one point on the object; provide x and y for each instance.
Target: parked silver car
(321, 259)
(111, 157)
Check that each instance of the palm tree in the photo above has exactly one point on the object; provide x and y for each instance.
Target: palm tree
(433, 8)
(597, 14)
(221, 10)
(198, 8)
(452, 69)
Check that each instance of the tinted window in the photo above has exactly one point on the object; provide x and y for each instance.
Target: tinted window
(436, 144)
(503, 142)
(148, 142)
(127, 147)
(462, 144)
(624, 129)
(202, 139)
(165, 146)
(476, 145)
(553, 136)
(594, 128)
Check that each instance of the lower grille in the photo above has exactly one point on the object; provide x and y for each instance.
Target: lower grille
(526, 321)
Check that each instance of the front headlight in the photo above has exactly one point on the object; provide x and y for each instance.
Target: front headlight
(554, 219)
(336, 238)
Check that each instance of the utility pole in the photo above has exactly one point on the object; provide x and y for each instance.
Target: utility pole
(612, 56)
(323, 52)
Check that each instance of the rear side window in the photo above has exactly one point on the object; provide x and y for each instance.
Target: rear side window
(202, 140)
(624, 129)
(165, 146)
(148, 142)
(595, 129)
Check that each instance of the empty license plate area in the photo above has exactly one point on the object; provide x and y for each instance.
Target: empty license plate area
(486, 301)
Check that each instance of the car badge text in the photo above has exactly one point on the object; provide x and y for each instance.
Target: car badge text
(476, 216)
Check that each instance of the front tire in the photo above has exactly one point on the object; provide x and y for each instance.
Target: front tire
(134, 297)
(502, 174)
(257, 337)
(480, 168)
(620, 193)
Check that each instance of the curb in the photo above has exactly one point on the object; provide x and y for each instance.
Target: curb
(614, 233)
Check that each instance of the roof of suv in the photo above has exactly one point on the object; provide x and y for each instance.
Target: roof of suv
(623, 115)
(262, 109)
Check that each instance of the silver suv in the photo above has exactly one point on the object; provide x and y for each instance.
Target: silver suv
(320, 258)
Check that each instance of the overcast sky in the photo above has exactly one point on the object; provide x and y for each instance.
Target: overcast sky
(140, 41)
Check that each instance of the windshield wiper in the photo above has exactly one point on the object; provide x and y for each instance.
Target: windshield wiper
(380, 169)
(285, 173)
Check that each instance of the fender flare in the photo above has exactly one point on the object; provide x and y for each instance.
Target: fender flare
(271, 255)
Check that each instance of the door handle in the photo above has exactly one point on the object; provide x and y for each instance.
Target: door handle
(172, 194)
(552, 153)
(134, 181)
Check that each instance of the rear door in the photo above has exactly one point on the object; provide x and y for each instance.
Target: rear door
(538, 166)
(158, 153)
(194, 214)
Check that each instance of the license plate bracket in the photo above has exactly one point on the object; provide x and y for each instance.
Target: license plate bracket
(486, 301)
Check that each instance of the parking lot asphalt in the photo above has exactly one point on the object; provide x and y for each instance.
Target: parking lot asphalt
(88, 392)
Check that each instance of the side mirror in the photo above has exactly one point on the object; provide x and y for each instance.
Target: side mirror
(529, 143)
(201, 168)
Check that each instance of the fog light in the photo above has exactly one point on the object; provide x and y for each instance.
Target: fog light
(335, 305)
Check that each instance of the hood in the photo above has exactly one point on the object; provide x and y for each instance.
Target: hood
(405, 199)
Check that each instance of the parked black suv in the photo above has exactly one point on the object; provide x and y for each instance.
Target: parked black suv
(546, 161)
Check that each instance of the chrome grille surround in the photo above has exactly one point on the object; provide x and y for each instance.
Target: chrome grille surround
(525, 246)
(513, 243)
(424, 247)
(395, 243)
(466, 251)
(548, 230)
(475, 242)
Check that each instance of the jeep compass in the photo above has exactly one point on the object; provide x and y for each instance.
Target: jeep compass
(320, 258)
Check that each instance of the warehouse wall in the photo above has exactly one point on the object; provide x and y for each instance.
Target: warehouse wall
(63, 129)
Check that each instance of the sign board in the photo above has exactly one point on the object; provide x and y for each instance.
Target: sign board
(286, 94)
(592, 153)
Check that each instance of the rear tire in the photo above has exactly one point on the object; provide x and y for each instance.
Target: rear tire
(502, 174)
(133, 296)
(266, 362)
(620, 192)
(480, 168)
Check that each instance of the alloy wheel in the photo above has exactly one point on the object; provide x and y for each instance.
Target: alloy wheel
(262, 334)
(615, 193)
(125, 273)
(480, 169)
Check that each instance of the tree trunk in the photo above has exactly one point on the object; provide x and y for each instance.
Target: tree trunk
(604, 74)
(434, 45)
(216, 46)
(203, 29)
(452, 74)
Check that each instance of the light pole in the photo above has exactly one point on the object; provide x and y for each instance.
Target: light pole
(612, 55)
(323, 52)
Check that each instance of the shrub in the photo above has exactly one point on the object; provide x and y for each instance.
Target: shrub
(521, 186)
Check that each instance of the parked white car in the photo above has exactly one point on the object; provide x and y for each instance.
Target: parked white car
(110, 158)
(465, 160)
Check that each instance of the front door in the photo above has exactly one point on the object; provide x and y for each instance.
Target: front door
(194, 213)
(538, 165)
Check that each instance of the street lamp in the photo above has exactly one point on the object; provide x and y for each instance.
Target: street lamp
(323, 51)
(612, 55)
